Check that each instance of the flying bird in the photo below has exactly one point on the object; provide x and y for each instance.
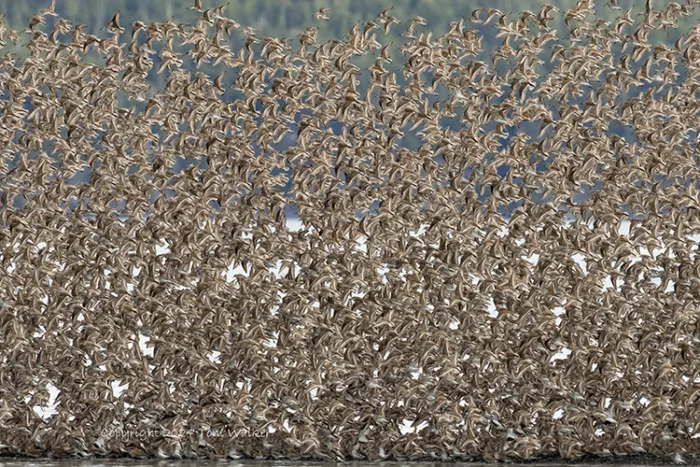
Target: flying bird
(50, 10)
(322, 14)
(113, 25)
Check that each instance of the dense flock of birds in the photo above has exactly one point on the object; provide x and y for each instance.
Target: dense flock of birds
(409, 317)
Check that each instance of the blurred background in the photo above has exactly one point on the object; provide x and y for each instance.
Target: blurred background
(288, 18)
(270, 17)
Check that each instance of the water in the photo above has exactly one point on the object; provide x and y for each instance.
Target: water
(630, 461)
